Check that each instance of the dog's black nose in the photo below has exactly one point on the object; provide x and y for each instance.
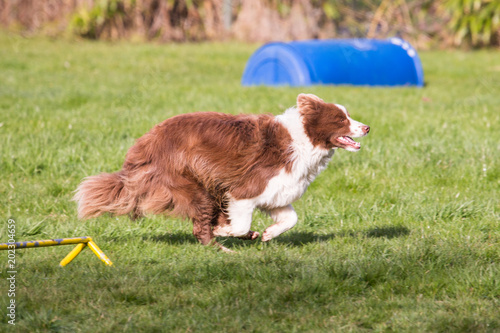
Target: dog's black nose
(366, 129)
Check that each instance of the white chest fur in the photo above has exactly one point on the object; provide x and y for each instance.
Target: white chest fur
(282, 189)
(308, 162)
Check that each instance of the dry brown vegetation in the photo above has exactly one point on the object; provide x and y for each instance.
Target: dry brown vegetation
(424, 23)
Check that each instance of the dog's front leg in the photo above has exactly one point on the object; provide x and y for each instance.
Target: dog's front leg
(285, 218)
(223, 228)
(238, 220)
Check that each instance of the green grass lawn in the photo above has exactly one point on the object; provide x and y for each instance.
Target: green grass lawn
(402, 236)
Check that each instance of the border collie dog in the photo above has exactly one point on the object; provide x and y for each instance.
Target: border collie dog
(215, 168)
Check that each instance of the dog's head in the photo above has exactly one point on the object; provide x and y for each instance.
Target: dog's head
(329, 125)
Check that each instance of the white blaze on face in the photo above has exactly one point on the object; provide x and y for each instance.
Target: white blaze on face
(341, 107)
(355, 127)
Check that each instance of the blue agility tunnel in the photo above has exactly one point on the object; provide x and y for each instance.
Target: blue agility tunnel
(391, 62)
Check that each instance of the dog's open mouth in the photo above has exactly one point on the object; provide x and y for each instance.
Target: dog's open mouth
(347, 142)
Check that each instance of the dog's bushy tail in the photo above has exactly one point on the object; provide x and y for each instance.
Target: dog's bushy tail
(104, 193)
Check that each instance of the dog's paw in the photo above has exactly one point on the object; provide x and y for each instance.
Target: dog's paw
(266, 236)
(250, 236)
(253, 234)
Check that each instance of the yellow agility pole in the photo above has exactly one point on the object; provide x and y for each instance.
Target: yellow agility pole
(93, 246)
(81, 241)
(72, 254)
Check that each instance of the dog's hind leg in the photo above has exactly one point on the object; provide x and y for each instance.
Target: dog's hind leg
(202, 218)
(285, 218)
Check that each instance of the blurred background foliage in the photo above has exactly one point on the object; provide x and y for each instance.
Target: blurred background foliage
(425, 23)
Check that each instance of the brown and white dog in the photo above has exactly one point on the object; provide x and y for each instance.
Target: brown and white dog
(217, 168)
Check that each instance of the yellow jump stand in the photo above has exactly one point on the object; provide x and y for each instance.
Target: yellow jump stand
(80, 241)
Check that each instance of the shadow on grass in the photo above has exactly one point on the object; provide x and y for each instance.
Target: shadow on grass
(387, 232)
(293, 238)
(302, 238)
(299, 238)
(174, 239)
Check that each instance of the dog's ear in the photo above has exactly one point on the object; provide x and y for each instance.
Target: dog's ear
(308, 100)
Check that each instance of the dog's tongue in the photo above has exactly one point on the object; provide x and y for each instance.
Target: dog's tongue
(349, 141)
